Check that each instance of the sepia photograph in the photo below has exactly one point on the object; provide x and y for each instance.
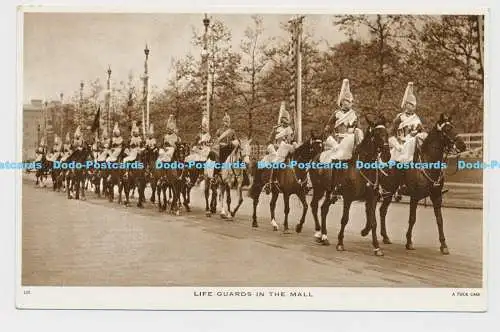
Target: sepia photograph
(246, 160)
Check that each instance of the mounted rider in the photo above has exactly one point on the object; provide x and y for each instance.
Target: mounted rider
(67, 148)
(407, 127)
(225, 138)
(151, 140)
(40, 151)
(201, 147)
(96, 146)
(135, 144)
(78, 139)
(342, 128)
(116, 144)
(56, 149)
(104, 145)
(169, 140)
(281, 138)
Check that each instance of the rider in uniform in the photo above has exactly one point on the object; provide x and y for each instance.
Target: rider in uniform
(151, 140)
(342, 128)
(201, 147)
(67, 148)
(280, 143)
(56, 149)
(135, 144)
(40, 150)
(169, 140)
(405, 128)
(78, 139)
(105, 144)
(116, 144)
(225, 137)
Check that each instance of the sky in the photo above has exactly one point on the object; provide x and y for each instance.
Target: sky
(62, 49)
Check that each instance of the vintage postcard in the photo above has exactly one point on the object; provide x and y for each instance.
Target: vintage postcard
(252, 160)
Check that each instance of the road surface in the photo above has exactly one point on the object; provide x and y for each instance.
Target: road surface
(97, 243)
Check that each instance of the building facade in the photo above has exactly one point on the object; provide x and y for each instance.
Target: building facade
(33, 127)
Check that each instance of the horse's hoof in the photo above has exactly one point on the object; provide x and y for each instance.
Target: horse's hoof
(139, 205)
(445, 251)
(409, 246)
(317, 239)
(177, 213)
(365, 231)
(340, 247)
(255, 224)
(298, 228)
(387, 240)
(286, 231)
(275, 228)
(223, 216)
(208, 214)
(378, 252)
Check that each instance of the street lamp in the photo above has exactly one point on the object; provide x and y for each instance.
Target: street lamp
(204, 55)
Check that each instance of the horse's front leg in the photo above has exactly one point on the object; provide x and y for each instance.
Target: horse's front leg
(207, 193)
(437, 200)
(240, 198)
(371, 206)
(272, 207)
(222, 194)
(343, 223)
(255, 199)
(213, 202)
(325, 207)
(317, 194)
(68, 186)
(383, 213)
(411, 222)
(286, 210)
(302, 197)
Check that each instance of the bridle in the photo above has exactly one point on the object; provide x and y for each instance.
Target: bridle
(369, 183)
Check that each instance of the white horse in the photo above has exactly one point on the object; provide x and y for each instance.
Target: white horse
(233, 173)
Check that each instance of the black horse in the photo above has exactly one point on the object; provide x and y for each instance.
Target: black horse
(352, 184)
(422, 183)
(76, 176)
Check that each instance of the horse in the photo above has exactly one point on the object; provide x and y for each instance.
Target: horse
(171, 178)
(353, 183)
(421, 183)
(290, 180)
(75, 177)
(148, 159)
(57, 176)
(114, 177)
(211, 177)
(43, 171)
(232, 174)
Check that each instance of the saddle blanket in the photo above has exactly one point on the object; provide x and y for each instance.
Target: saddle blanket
(113, 156)
(102, 156)
(277, 155)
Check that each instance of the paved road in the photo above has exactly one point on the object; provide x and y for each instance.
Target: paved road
(97, 243)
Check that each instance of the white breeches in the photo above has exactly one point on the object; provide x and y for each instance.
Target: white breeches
(103, 155)
(277, 155)
(165, 154)
(131, 156)
(338, 150)
(404, 152)
(198, 154)
(113, 156)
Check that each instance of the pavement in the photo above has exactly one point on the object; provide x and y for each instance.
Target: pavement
(98, 243)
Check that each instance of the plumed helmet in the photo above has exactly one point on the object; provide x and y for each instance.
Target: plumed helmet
(105, 133)
(345, 92)
(78, 133)
(116, 129)
(135, 128)
(283, 115)
(226, 119)
(171, 123)
(409, 97)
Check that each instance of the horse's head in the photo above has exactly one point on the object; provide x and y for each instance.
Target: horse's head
(376, 139)
(245, 149)
(445, 127)
(309, 148)
(315, 143)
(181, 151)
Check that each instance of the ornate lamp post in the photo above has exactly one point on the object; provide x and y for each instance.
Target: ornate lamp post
(81, 116)
(108, 100)
(145, 93)
(205, 62)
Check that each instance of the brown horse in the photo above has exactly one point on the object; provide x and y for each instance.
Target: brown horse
(352, 184)
(422, 183)
(290, 180)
